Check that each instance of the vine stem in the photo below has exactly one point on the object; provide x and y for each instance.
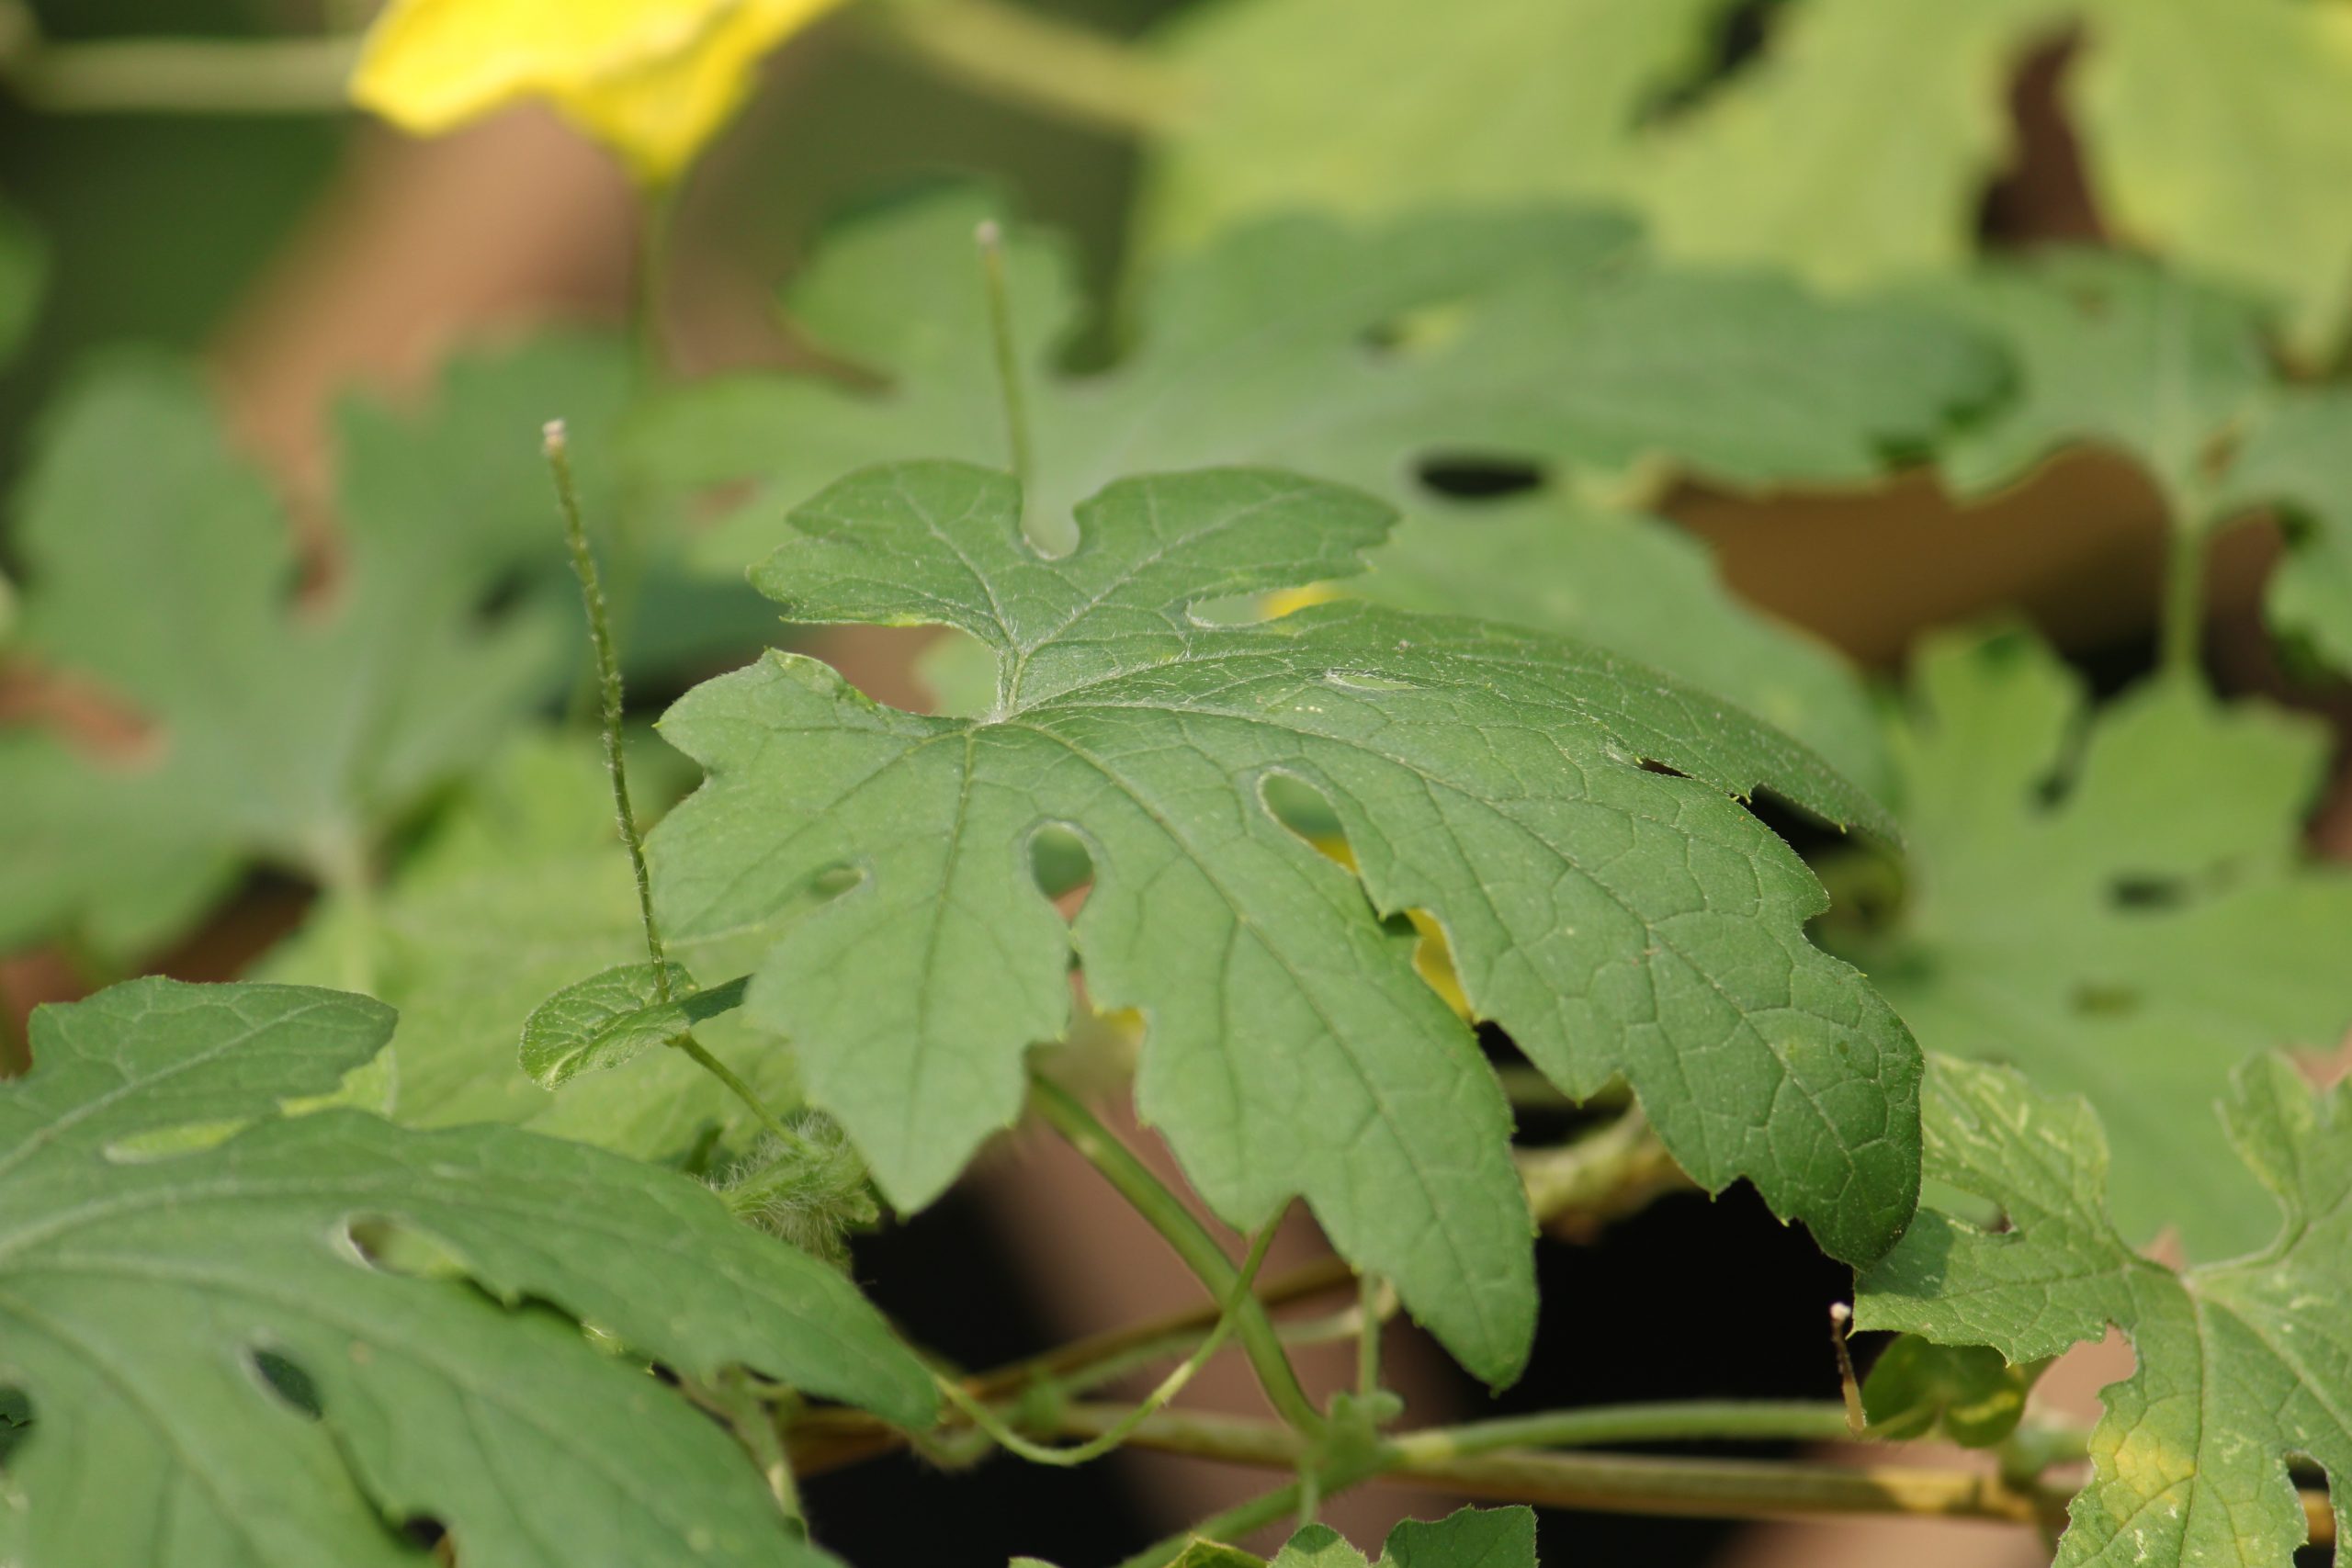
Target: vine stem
(1116, 1432)
(1485, 1459)
(243, 76)
(989, 237)
(1167, 1215)
(2181, 629)
(558, 447)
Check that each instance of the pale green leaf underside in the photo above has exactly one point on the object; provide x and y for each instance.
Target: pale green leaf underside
(1612, 918)
(2240, 1365)
(1358, 353)
(2120, 905)
(135, 1294)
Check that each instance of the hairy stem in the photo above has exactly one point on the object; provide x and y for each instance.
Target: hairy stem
(608, 684)
(1167, 1215)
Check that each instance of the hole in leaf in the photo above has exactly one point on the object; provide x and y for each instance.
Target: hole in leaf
(2150, 892)
(392, 1247)
(500, 596)
(1473, 477)
(169, 1143)
(1418, 331)
(1063, 866)
(1301, 807)
(2094, 999)
(15, 1421)
(286, 1380)
(423, 1532)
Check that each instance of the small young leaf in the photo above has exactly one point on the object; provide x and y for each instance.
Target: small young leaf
(1969, 1392)
(209, 1332)
(608, 1018)
(2241, 1366)
(2120, 904)
(1614, 918)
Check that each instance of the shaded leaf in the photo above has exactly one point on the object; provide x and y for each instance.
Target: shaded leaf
(2241, 1366)
(1611, 916)
(219, 1376)
(1969, 1394)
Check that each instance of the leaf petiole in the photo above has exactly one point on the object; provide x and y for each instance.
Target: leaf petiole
(1191, 1239)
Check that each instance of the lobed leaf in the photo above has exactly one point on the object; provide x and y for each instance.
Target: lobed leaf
(1854, 143)
(220, 1374)
(162, 575)
(2119, 904)
(1615, 918)
(2174, 375)
(2240, 1365)
(1543, 340)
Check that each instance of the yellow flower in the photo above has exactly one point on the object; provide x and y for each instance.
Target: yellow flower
(652, 79)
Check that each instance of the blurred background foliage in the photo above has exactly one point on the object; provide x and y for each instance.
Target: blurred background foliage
(1886, 156)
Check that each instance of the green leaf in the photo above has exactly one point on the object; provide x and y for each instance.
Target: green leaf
(162, 574)
(219, 1375)
(1472, 1538)
(1478, 125)
(519, 889)
(2173, 374)
(2119, 904)
(1611, 916)
(1855, 146)
(1358, 354)
(610, 1018)
(2298, 460)
(2114, 352)
(2240, 1365)
(1969, 1394)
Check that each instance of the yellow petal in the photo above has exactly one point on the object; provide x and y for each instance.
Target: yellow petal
(660, 114)
(652, 79)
